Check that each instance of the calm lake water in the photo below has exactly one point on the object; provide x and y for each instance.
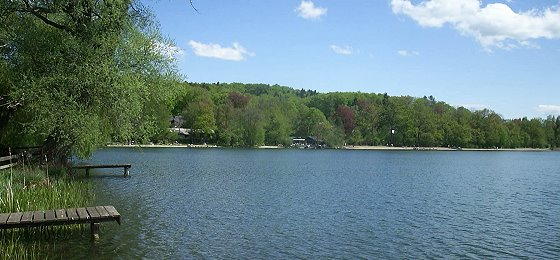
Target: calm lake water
(235, 203)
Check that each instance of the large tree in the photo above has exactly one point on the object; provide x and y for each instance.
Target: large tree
(76, 73)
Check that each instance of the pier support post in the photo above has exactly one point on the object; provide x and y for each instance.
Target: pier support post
(126, 172)
(95, 230)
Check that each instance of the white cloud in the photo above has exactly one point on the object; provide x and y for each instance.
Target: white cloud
(212, 50)
(473, 107)
(167, 50)
(343, 50)
(493, 25)
(406, 53)
(549, 109)
(308, 10)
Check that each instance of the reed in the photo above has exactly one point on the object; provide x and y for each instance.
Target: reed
(29, 189)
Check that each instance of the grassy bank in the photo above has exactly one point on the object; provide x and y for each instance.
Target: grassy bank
(28, 189)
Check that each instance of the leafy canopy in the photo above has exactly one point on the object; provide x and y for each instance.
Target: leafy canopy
(75, 74)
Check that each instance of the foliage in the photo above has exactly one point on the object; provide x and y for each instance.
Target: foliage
(255, 114)
(346, 116)
(29, 189)
(198, 112)
(76, 74)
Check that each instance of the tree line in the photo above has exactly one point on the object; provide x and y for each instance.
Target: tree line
(257, 114)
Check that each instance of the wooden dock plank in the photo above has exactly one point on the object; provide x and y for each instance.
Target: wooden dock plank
(102, 212)
(112, 211)
(82, 213)
(50, 215)
(89, 215)
(4, 217)
(93, 213)
(38, 216)
(61, 215)
(14, 218)
(27, 217)
(72, 215)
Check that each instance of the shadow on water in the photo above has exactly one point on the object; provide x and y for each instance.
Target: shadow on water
(100, 174)
(105, 176)
(49, 242)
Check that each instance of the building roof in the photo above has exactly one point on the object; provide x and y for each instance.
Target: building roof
(176, 121)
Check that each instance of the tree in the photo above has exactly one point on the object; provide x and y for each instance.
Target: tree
(278, 129)
(425, 123)
(536, 133)
(367, 120)
(238, 100)
(310, 121)
(278, 114)
(253, 126)
(550, 131)
(557, 131)
(346, 115)
(80, 73)
(199, 116)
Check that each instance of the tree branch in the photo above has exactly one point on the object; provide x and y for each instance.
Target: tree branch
(192, 5)
(33, 10)
(51, 23)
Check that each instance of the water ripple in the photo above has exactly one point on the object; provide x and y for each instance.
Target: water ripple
(228, 203)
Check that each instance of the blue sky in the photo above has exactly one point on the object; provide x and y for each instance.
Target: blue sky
(504, 55)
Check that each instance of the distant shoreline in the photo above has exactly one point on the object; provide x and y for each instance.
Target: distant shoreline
(348, 147)
(389, 148)
(163, 145)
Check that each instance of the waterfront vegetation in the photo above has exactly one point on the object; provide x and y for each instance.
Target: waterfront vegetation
(28, 189)
(258, 114)
(75, 74)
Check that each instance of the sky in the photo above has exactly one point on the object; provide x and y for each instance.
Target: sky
(501, 55)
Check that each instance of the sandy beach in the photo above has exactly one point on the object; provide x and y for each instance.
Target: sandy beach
(163, 145)
(348, 147)
(365, 147)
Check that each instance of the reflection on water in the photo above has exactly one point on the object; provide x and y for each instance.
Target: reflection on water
(231, 203)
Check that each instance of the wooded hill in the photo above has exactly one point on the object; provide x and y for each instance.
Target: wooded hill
(255, 114)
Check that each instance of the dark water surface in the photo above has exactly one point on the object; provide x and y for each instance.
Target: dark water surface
(231, 203)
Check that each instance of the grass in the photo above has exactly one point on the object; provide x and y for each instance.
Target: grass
(29, 189)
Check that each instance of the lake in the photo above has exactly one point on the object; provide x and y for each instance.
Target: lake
(263, 204)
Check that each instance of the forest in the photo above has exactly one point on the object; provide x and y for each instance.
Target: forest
(238, 114)
(77, 75)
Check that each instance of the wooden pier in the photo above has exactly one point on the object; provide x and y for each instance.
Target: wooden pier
(126, 167)
(92, 215)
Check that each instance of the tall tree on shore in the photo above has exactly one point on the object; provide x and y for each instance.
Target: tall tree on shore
(82, 72)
